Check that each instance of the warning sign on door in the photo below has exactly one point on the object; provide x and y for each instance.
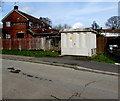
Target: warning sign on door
(70, 38)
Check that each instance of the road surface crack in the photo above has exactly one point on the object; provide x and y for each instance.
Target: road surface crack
(56, 98)
(18, 71)
(77, 94)
(90, 83)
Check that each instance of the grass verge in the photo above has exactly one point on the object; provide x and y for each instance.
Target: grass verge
(102, 57)
(106, 58)
(35, 53)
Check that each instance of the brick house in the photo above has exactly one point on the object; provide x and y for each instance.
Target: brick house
(18, 24)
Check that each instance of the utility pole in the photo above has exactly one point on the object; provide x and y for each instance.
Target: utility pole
(119, 8)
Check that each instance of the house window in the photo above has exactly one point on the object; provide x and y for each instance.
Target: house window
(40, 25)
(8, 24)
(43, 26)
(30, 23)
(8, 36)
(20, 35)
(18, 23)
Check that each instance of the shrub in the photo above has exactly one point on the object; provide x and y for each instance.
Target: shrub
(31, 53)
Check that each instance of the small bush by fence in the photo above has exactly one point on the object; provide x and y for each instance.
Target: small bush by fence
(45, 44)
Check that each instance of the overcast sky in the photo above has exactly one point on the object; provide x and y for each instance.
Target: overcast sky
(75, 14)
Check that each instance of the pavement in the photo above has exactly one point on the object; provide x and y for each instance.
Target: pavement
(71, 62)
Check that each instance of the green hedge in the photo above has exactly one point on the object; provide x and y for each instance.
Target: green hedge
(32, 53)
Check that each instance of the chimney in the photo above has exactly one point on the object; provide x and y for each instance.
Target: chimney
(16, 7)
(40, 18)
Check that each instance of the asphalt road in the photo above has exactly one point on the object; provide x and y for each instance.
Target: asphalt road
(40, 81)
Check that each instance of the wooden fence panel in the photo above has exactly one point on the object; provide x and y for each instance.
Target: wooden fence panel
(3, 45)
(28, 44)
(23, 44)
(101, 44)
(12, 44)
(16, 44)
(33, 44)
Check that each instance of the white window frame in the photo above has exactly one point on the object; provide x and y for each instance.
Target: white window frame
(30, 23)
(8, 36)
(8, 24)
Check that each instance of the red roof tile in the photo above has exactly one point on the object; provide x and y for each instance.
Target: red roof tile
(33, 18)
(111, 30)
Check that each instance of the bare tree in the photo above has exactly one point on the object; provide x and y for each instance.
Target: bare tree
(113, 22)
(95, 25)
(65, 26)
(59, 27)
(47, 20)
